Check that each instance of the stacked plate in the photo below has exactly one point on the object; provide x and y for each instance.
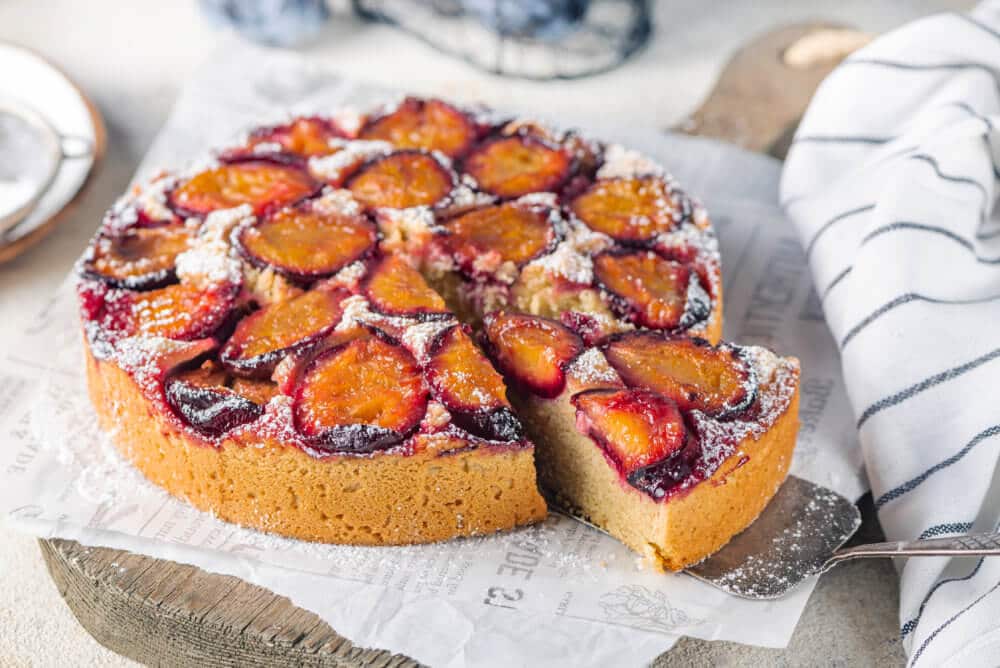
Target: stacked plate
(51, 137)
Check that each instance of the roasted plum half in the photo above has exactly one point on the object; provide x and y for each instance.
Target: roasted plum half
(265, 186)
(714, 380)
(531, 350)
(305, 243)
(264, 337)
(140, 258)
(395, 288)
(208, 400)
(360, 396)
(300, 138)
(510, 167)
(493, 235)
(652, 291)
(636, 427)
(464, 381)
(180, 312)
(431, 125)
(402, 180)
(633, 211)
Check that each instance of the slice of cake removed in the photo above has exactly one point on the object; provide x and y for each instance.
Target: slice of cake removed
(671, 445)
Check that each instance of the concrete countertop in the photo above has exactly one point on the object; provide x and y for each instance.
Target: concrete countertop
(132, 58)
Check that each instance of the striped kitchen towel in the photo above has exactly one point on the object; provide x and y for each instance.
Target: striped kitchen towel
(892, 183)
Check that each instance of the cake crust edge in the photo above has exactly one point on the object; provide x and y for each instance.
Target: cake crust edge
(683, 530)
(278, 488)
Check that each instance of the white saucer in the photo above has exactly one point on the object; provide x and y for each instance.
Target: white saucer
(32, 81)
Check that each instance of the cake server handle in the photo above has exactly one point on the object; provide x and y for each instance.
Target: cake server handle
(968, 545)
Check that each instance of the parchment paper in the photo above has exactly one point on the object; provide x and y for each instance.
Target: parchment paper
(558, 594)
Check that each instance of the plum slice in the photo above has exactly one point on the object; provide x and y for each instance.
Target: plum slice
(181, 311)
(652, 291)
(305, 243)
(393, 287)
(360, 396)
(256, 390)
(660, 478)
(140, 258)
(506, 233)
(629, 210)
(303, 137)
(714, 380)
(431, 125)
(263, 185)
(531, 350)
(635, 427)
(402, 180)
(514, 166)
(264, 337)
(207, 400)
(464, 381)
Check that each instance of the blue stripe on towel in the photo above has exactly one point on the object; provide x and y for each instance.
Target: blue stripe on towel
(934, 634)
(906, 299)
(926, 384)
(913, 483)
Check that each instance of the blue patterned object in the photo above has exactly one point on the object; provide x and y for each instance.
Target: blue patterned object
(539, 19)
(274, 22)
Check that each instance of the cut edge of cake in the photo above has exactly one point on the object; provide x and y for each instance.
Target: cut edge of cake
(676, 532)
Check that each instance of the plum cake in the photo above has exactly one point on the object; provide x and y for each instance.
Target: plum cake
(375, 329)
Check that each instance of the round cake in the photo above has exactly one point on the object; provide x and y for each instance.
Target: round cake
(352, 329)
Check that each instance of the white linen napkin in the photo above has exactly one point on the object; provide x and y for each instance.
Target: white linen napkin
(891, 181)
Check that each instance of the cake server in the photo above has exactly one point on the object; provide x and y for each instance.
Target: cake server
(800, 534)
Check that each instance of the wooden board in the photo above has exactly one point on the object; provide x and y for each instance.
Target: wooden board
(764, 89)
(163, 613)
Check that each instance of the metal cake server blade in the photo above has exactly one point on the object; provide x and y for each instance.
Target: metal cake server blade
(800, 534)
(795, 535)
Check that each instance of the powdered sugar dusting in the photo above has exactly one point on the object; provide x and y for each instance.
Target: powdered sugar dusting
(349, 120)
(776, 380)
(413, 221)
(153, 198)
(565, 261)
(122, 215)
(336, 201)
(356, 311)
(144, 358)
(465, 196)
(349, 155)
(690, 237)
(572, 257)
(211, 258)
(349, 276)
(417, 338)
(436, 417)
(415, 335)
(540, 199)
(591, 366)
(624, 163)
(267, 148)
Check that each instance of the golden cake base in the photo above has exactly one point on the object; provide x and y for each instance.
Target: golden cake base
(383, 499)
